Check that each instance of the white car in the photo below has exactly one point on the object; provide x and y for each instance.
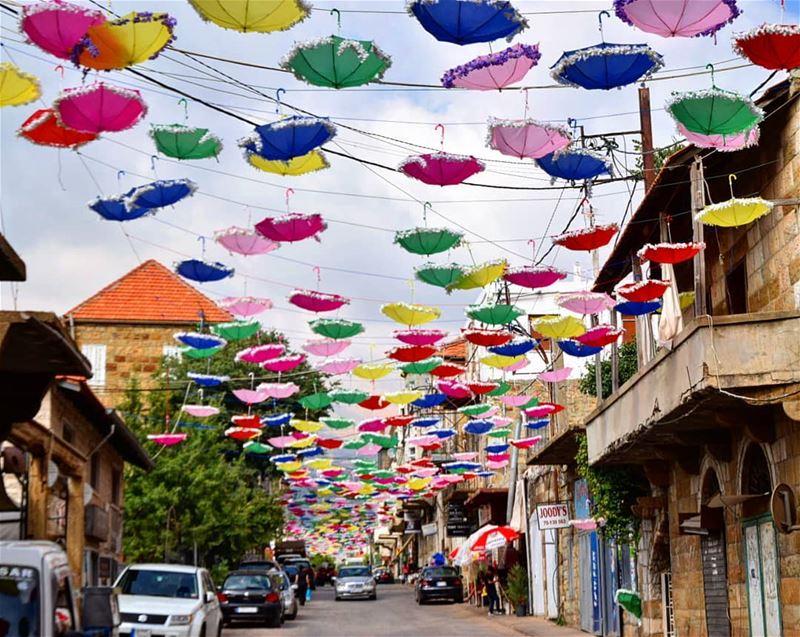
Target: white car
(289, 599)
(168, 600)
(353, 582)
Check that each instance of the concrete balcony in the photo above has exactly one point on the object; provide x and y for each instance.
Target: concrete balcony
(679, 397)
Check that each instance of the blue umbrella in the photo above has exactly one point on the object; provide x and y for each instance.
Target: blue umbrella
(478, 427)
(485, 474)
(161, 193)
(289, 137)
(118, 208)
(606, 66)
(500, 447)
(538, 424)
(443, 434)
(278, 420)
(310, 452)
(461, 466)
(202, 271)
(637, 308)
(574, 164)
(574, 348)
(425, 422)
(200, 341)
(207, 380)
(517, 347)
(195, 425)
(430, 400)
(284, 457)
(468, 21)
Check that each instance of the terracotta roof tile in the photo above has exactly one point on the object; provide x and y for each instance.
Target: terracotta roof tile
(150, 293)
(454, 349)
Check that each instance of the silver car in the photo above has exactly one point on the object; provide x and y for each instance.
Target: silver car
(287, 590)
(354, 582)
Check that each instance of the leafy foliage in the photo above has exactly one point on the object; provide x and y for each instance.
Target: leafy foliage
(628, 364)
(517, 587)
(660, 155)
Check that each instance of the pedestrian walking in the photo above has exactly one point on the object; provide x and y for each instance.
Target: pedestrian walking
(493, 591)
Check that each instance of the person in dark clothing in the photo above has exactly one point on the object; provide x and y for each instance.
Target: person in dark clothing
(492, 584)
(301, 578)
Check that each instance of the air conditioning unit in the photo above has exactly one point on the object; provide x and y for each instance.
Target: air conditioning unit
(96, 523)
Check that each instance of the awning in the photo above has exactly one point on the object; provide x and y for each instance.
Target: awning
(12, 268)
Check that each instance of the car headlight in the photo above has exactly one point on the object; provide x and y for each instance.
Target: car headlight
(180, 620)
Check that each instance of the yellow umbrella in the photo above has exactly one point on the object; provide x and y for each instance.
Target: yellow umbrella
(411, 314)
(559, 327)
(686, 299)
(307, 426)
(16, 86)
(310, 162)
(498, 361)
(289, 467)
(320, 464)
(480, 276)
(373, 371)
(302, 443)
(418, 484)
(133, 39)
(262, 16)
(366, 489)
(403, 397)
(735, 212)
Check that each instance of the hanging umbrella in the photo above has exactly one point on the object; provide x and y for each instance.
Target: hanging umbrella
(534, 276)
(646, 290)
(430, 400)
(574, 164)
(442, 276)
(258, 354)
(245, 305)
(677, 18)
(16, 86)
(289, 137)
(277, 420)
(419, 336)
(714, 111)
(467, 21)
(600, 335)
(670, 252)
(454, 389)
(250, 396)
(440, 168)
(373, 371)
(336, 423)
(319, 400)
(337, 329)
(523, 138)
(585, 302)
(481, 409)
(424, 366)
(253, 16)
(499, 314)
(481, 388)
(312, 161)
(771, 46)
(517, 400)
(544, 409)
(494, 71)
(735, 212)
(197, 340)
(127, 41)
(411, 314)
(200, 411)
(284, 363)
(578, 350)
(486, 338)
(338, 366)
(425, 422)
(99, 108)
(207, 380)
(118, 208)
(481, 275)
(428, 241)
(244, 242)
(185, 142)
(606, 66)
(197, 354)
(374, 403)
(637, 308)
(516, 347)
(336, 62)
(203, 271)
(242, 433)
(256, 448)
(278, 390)
(587, 239)
(314, 301)
(292, 227)
(402, 397)
(724, 143)
(326, 347)
(411, 353)
(447, 370)
(161, 193)
(167, 439)
(43, 128)
(478, 427)
(57, 27)
(236, 330)
(502, 362)
(502, 388)
(559, 327)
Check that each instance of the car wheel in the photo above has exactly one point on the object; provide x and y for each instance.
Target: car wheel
(274, 622)
(420, 600)
(203, 630)
(336, 598)
(373, 597)
(294, 612)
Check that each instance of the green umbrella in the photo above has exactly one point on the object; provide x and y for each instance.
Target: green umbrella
(423, 366)
(236, 330)
(337, 423)
(191, 352)
(428, 241)
(502, 388)
(256, 447)
(714, 111)
(441, 276)
(319, 400)
(354, 444)
(533, 402)
(348, 396)
(630, 600)
(336, 62)
(387, 442)
(499, 314)
(475, 410)
(365, 464)
(336, 329)
(185, 142)
(499, 433)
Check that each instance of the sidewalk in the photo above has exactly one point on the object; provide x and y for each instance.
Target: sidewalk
(531, 626)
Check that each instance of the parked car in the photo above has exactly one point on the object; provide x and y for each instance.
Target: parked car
(301, 563)
(290, 604)
(353, 582)
(323, 575)
(251, 596)
(178, 600)
(257, 565)
(384, 576)
(439, 582)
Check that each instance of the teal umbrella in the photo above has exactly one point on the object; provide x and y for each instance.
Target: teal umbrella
(337, 62)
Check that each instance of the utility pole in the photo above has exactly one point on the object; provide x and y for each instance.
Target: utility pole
(646, 124)
(698, 199)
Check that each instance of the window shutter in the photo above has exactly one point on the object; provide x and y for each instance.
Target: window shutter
(97, 358)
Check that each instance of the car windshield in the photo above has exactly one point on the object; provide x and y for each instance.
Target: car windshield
(19, 601)
(257, 566)
(291, 571)
(355, 571)
(154, 583)
(247, 583)
(440, 571)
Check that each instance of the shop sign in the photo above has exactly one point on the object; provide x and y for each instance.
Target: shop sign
(552, 515)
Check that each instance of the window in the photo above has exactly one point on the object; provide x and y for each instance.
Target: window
(94, 471)
(67, 433)
(736, 288)
(116, 486)
(159, 583)
(97, 358)
(171, 351)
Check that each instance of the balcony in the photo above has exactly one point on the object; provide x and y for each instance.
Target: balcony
(679, 397)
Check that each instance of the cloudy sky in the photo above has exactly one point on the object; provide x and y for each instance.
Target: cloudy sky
(71, 253)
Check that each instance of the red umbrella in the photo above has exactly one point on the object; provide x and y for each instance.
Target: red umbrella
(398, 421)
(486, 338)
(587, 239)
(329, 443)
(493, 537)
(447, 370)
(772, 46)
(412, 353)
(43, 128)
(670, 252)
(600, 335)
(643, 290)
(480, 388)
(374, 403)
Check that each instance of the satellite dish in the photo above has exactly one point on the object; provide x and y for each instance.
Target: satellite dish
(52, 473)
(88, 492)
(783, 507)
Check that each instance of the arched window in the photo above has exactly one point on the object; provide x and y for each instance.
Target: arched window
(756, 480)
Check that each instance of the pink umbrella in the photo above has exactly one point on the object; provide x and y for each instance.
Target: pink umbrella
(533, 276)
(454, 389)
(555, 375)
(516, 400)
(369, 449)
(245, 305)
(426, 472)
(58, 27)
(526, 137)
(452, 478)
(284, 363)
(372, 426)
(677, 18)
(281, 442)
(243, 241)
(441, 169)
(258, 354)
(317, 301)
(522, 363)
(200, 411)
(466, 455)
(501, 421)
(525, 443)
(167, 439)
(585, 302)
(339, 366)
(419, 337)
(278, 390)
(99, 108)
(250, 396)
(292, 227)
(422, 441)
(588, 524)
(326, 347)
(540, 411)
(724, 143)
(498, 457)
(494, 71)
(600, 335)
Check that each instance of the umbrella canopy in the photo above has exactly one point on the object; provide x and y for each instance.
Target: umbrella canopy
(480, 275)
(579, 350)
(453, 389)
(585, 302)
(600, 335)
(99, 108)
(425, 366)
(771, 46)
(200, 341)
(587, 239)
(314, 301)
(574, 164)
(118, 208)
(494, 71)
(185, 142)
(440, 168)
(337, 329)
(161, 193)
(637, 308)
(245, 305)
(735, 212)
(167, 439)
(523, 138)
(411, 314)
(312, 161)
(516, 347)
(43, 128)
(16, 86)
(428, 241)
(670, 252)
(278, 390)
(467, 21)
(373, 371)
(605, 66)
(714, 111)
(677, 18)
(236, 330)
(419, 336)
(253, 16)
(646, 290)
(447, 370)
(244, 242)
(336, 62)
(486, 338)
(411, 353)
(57, 27)
(320, 400)
(498, 361)
(724, 143)
(292, 227)
(430, 400)
(326, 347)
(499, 314)
(289, 137)
(559, 327)
(442, 276)
(203, 271)
(284, 363)
(207, 380)
(534, 276)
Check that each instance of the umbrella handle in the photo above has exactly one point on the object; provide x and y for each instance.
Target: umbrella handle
(425, 207)
(711, 66)
(438, 127)
(600, 22)
(731, 179)
(185, 103)
(289, 191)
(338, 19)
(279, 106)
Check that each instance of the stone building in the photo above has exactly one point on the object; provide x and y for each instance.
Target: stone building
(128, 326)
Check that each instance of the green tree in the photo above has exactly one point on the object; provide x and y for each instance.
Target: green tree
(628, 364)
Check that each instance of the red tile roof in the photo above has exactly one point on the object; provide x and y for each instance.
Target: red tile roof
(150, 293)
(454, 349)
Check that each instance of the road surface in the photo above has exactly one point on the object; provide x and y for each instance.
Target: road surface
(393, 614)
